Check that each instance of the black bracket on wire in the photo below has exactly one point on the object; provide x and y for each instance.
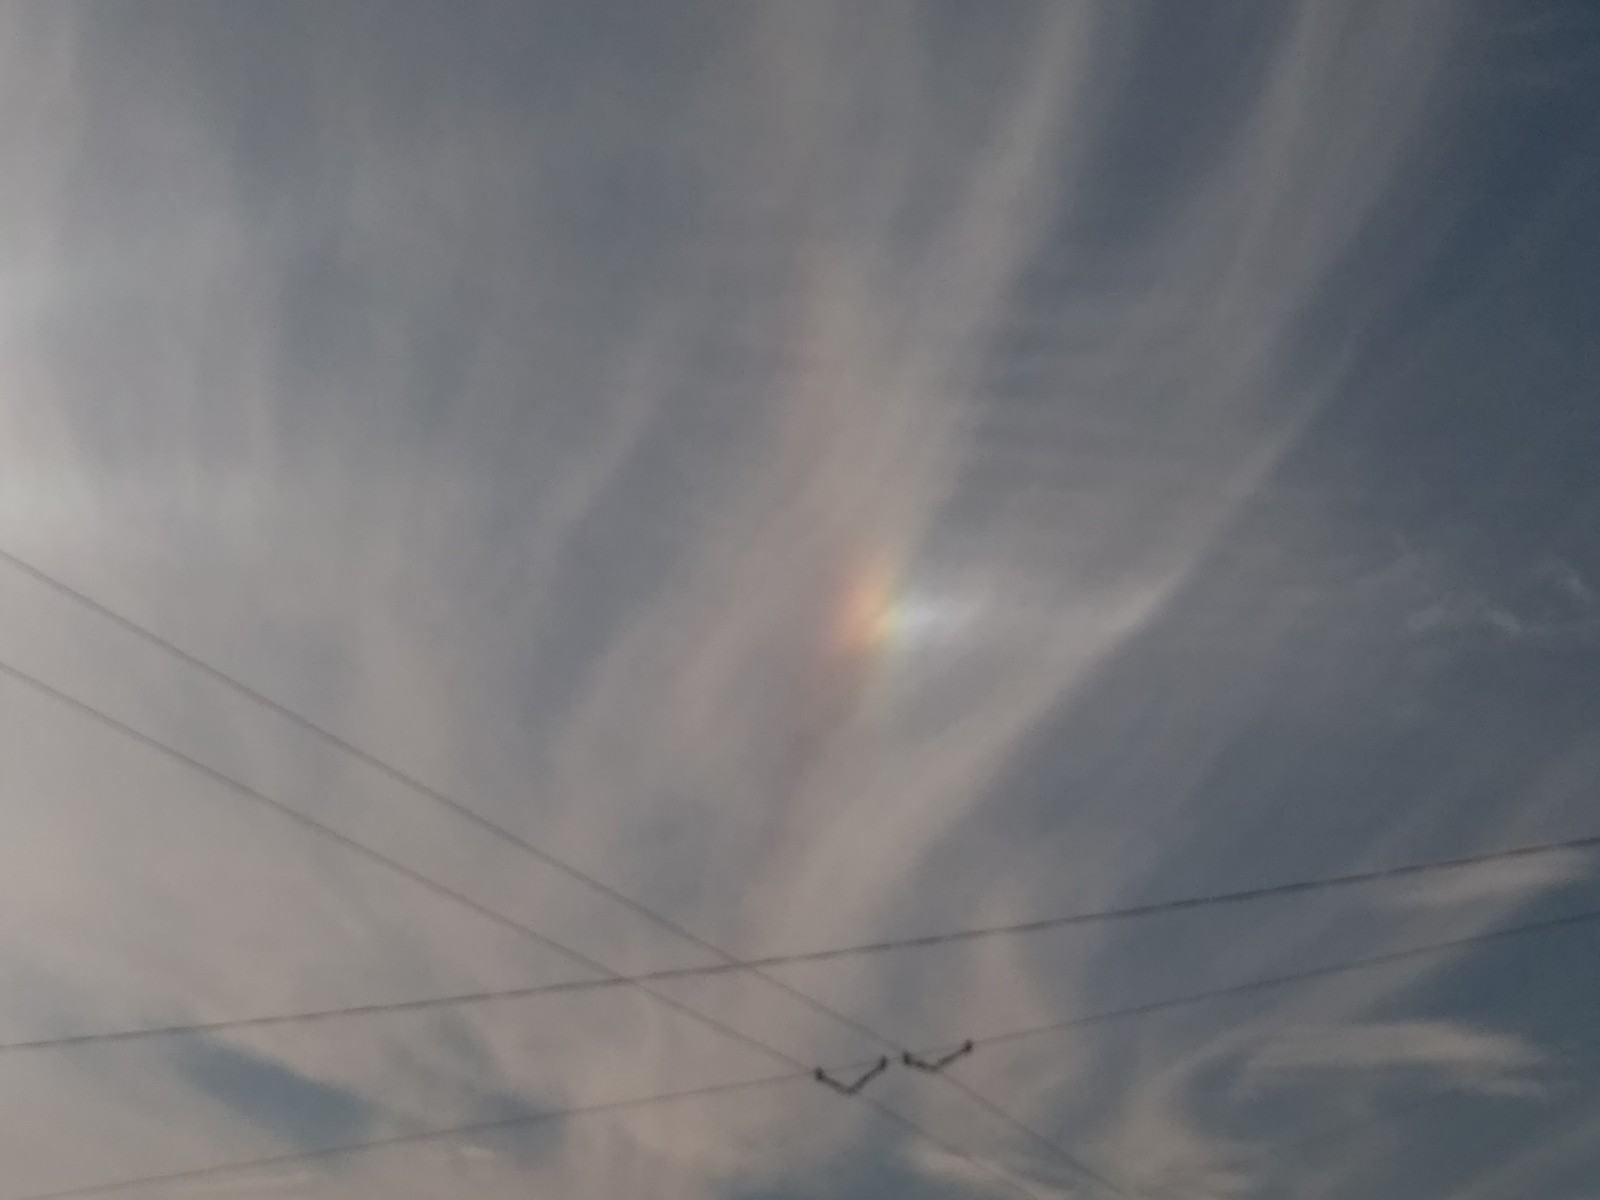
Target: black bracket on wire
(850, 1089)
(938, 1064)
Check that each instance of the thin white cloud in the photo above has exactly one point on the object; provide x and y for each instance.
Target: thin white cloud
(1493, 881)
(1164, 1145)
(983, 1175)
(1471, 1059)
(557, 578)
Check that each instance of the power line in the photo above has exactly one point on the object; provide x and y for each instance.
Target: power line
(1236, 989)
(1033, 1135)
(361, 849)
(612, 978)
(999, 1176)
(1140, 1010)
(1214, 899)
(395, 774)
(313, 1016)
(245, 791)
(407, 1139)
(379, 1008)
(755, 967)
(505, 995)
(194, 1174)
(411, 783)
(989, 1169)
(470, 815)
(1275, 981)
(731, 962)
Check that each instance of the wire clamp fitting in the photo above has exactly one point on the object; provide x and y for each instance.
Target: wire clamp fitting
(850, 1089)
(938, 1064)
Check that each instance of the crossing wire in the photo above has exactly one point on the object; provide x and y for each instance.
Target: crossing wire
(211, 1171)
(993, 1039)
(730, 963)
(1370, 962)
(361, 849)
(1387, 958)
(506, 995)
(472, 816)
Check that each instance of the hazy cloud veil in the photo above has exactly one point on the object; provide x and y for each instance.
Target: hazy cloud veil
(528, 392)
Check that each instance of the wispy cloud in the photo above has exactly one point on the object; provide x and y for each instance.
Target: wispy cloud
(1468, 1058)
(1496, 881)
(519, 394)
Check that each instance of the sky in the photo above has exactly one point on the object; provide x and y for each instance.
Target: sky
(829, 473)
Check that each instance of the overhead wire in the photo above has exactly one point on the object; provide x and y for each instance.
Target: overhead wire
(506, 995)
(377, 1008)
(458, 999)
(211, 1171)
(1373, 961)
(757, 967)
(1274, 981)
(361, 849)
(1192, 998)
(1322, 972)
(754, 966)
(1276, 891)
(467, 813)
(731, 962)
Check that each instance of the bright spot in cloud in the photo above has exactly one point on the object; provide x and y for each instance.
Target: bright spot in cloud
(883, 616)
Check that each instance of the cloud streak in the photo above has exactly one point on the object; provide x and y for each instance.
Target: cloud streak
(518, 393)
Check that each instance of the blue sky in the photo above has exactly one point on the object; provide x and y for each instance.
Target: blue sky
(831, 472)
